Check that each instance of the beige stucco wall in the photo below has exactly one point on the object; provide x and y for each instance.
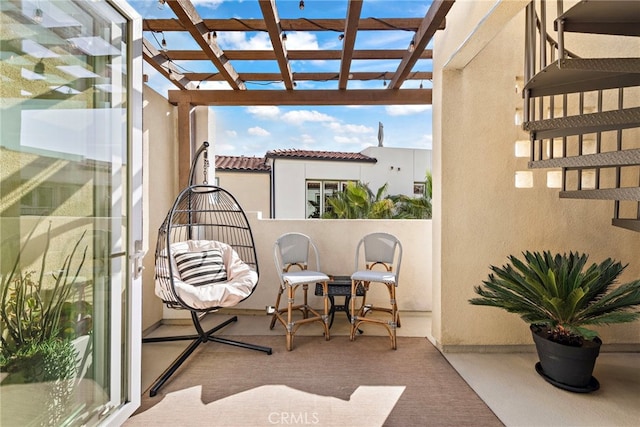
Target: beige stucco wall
(336, 241)
(479, 215)
(160, 184)
(250, 189)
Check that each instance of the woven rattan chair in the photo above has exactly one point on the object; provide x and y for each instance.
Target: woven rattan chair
(205, 260)
(378, 258)
(292, 252)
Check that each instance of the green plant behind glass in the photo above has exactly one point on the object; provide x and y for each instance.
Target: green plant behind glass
(30, 314)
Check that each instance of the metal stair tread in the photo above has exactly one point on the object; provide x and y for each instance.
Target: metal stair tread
(615, 17)
(584, 123)
(626, 193)
(629, 224)
(583, 75)
(605, 159)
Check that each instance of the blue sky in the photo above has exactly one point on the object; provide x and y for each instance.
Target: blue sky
(252, 131)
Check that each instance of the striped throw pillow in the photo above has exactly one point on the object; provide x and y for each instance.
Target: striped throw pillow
(201, 268)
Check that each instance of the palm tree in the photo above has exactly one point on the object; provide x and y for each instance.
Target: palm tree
(357, 201)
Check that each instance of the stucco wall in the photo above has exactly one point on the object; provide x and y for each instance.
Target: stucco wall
(250, 189)
(336, 241)
(160, 184)
(479, 215)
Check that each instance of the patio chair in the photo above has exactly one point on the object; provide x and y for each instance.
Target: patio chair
(378, 259)
(293, 251)
(205, 260)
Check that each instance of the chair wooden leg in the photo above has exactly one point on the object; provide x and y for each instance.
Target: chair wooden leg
(275, 317)
(352, 310)
(289, 326)
(325, 318)
(394, 316)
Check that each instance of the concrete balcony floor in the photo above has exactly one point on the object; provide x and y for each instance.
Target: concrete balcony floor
(506, 382)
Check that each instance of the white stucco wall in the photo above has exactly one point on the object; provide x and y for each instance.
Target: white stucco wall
(399, 167)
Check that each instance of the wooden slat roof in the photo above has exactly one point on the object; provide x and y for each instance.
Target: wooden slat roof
(224, 64)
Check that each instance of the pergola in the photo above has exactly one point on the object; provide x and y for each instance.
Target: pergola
(420, 31)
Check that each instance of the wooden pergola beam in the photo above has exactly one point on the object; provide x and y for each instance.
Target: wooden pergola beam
(272, 22)
(168, 69)
(300, 24)
(301, 97)
(193, 23)
(310, 76)
(294, 55)
(433, 20)
(348, 43)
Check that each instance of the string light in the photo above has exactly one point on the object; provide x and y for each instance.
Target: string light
(384, 83)
(284, 37)
(161, 4)
(420, 84)
(412, 45)
(38, 14)
(163, 43)
(301, 5)
(341, 37)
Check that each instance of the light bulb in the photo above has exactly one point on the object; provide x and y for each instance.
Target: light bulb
(163, 43)
(284, 37)
(341, 37)
(161, 4)
(412, 46)
(38, 14)
(301, 5)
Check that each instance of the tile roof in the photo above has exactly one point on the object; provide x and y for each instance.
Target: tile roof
(242, 163)
(319, 155)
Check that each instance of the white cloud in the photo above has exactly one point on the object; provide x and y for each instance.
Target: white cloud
(307, 139)
(405, 110)
(214, 85)
(301, 116)
(258, 131)
(264, 112)
(301, 41)
(351, 129)
(239, 40)
(224, 149)
(347, 139)
(231, 133)
(207, 3)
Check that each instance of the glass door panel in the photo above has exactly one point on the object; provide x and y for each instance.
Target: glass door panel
(66, 211)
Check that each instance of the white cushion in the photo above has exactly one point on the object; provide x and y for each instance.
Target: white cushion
(304, 276)
(375, 276)
(241, 279)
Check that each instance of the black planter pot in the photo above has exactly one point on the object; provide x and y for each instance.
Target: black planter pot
(567, 367)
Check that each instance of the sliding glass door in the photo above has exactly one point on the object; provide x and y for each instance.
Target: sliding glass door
(70, 181)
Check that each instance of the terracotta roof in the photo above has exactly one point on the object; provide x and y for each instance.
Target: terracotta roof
(242, 163)
(319, 155)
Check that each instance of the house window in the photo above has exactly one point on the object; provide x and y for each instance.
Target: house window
(317, 194)
(418, 189)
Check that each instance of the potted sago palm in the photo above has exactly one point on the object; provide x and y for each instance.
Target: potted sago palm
(560, 297)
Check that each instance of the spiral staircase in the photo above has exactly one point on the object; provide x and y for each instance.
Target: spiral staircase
(583, 114)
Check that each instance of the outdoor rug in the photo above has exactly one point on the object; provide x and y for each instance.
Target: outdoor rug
(322, 383)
